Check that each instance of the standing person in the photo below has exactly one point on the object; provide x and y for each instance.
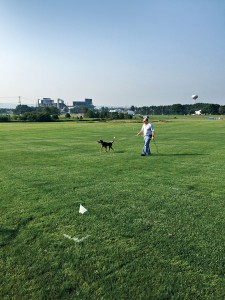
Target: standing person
(148, 133)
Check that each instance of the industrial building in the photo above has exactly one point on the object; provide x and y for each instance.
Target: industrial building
(86, 103)
(48, 102)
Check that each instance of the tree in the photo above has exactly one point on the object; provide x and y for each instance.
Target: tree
(67, 115)
(4, 118)
(36, 117)
(222, 109)
(20, 109)
(84, 109)
(43, 117)
(90, 113)
(210, 109)
(52, 110)
(75, 110)
(132, 108)
(177, 109)
(214, 109)
(29, 116)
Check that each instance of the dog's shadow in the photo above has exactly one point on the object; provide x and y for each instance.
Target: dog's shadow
(114, 151)
(120, 151)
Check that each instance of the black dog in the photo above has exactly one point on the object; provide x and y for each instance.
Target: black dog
(106, 145)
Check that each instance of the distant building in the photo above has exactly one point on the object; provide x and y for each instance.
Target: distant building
(116, 110)
(131, 112)
(198, 112)
(45, 102)
(59, 103)
(86, 103)
(48, 102)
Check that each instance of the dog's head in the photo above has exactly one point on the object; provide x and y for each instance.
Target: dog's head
(100, 141)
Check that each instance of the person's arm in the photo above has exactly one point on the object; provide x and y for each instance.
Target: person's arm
(153, 135)
(140, 132)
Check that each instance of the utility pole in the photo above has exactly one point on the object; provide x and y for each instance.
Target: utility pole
(20, 105)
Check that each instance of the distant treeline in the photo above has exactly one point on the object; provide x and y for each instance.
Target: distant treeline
(175, 109)
(180, 109)
(30, 114)
(48, 114)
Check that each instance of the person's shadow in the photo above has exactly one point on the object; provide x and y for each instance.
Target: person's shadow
(179, 154)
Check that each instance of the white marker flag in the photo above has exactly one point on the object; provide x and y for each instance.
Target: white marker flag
(82, 209)
(76, 239)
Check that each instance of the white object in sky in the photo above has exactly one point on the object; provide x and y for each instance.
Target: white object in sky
(82, 209)
(194, 97)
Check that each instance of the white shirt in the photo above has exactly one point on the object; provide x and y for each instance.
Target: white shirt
(147, 129)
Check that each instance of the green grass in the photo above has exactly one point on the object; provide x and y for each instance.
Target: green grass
(154, 227)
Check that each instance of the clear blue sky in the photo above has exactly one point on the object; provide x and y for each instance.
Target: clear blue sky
(117, 52)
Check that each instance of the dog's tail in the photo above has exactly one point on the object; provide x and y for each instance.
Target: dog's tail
(113, 139)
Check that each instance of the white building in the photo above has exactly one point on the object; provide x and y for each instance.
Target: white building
(198, 112)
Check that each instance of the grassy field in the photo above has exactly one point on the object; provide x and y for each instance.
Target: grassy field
(154, 228)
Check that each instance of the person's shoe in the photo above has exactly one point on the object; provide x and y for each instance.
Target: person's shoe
(142, 154)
